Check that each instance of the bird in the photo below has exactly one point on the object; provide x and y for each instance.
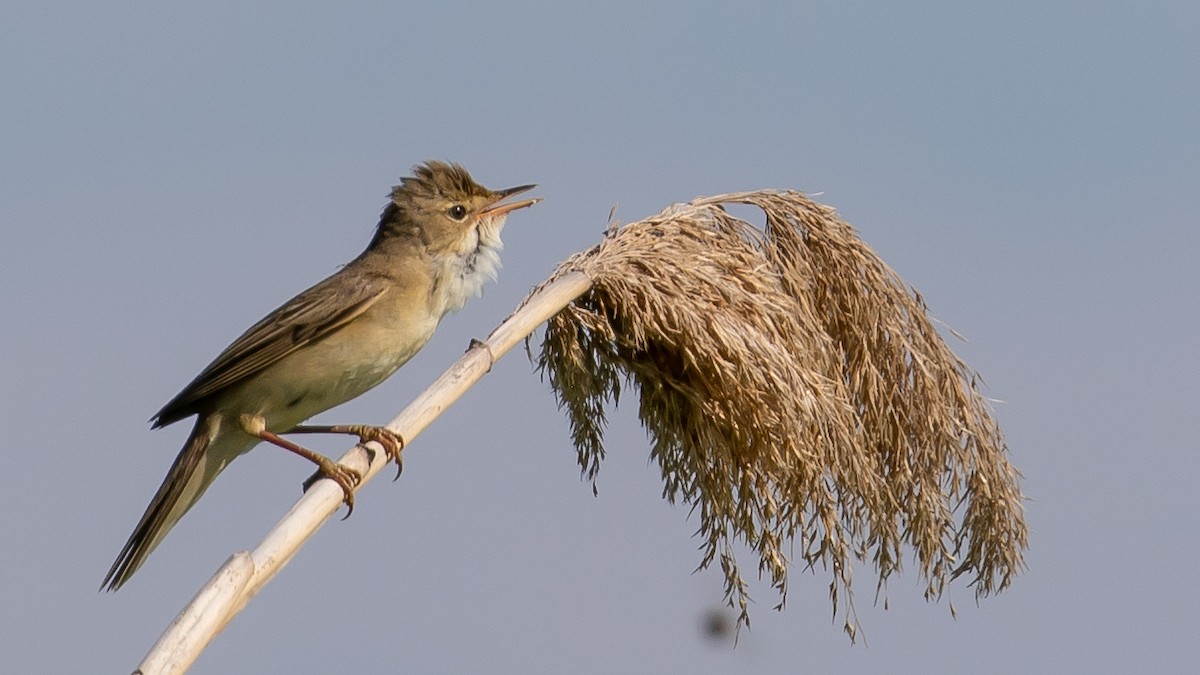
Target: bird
(436, 245)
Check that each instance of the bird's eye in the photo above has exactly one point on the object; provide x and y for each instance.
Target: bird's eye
(457, 212)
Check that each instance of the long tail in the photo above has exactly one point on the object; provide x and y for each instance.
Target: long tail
(197, 466)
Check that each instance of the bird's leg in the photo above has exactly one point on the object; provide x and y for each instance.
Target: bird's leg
(392, 442)
(344, 476)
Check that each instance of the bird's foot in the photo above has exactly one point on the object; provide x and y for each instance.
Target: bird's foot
(392, 442)
(346, 478)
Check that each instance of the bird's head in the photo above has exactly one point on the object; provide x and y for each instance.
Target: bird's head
(450, 213)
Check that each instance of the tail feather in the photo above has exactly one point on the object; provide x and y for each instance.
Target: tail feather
(196, 467)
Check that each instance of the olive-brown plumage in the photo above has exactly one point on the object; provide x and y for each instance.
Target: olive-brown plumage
(437, 243)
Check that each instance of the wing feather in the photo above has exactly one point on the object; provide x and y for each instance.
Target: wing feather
(306, 318)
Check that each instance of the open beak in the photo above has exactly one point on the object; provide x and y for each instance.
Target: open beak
(498, 209)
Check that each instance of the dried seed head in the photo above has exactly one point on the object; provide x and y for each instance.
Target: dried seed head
(796, 393)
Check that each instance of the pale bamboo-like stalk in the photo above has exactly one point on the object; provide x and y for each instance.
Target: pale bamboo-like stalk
(245, 573)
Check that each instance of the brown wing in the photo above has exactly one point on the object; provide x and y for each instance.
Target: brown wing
(304, 319)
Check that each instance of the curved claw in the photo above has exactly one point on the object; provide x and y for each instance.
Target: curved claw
(346, 478)
(347, 491)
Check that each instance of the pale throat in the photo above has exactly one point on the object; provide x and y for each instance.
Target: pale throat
(475, 262)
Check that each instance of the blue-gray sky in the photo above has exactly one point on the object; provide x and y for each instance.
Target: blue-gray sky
(169, 173)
